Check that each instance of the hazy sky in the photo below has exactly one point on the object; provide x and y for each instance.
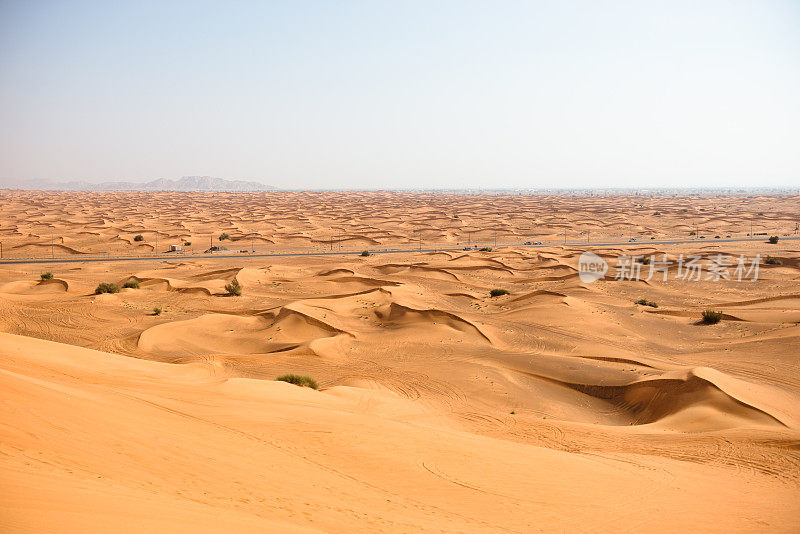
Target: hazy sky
(402, 94)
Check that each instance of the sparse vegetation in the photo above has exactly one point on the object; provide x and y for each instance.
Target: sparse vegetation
(711, 317)
(692, 233)
(772, 260)
(157, 310)
(131, 284)
(365, 253)
(645, 302)
(234, 288)
(106, 287)
(223, 236)
(299, 380)
(187, 243)
(138, 237)
(773, 239)
(498, 292)
(46, 276)
(644, 261)
(485, 249)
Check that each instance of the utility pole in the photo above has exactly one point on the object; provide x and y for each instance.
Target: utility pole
(52, 245)
(211, 246)
(495, 239)
(252, 242)
(156, 249)
(565, 236)
(420, 239)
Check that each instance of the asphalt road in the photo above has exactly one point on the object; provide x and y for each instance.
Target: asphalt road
(427, 248)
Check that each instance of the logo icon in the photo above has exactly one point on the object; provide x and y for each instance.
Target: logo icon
(591, 267)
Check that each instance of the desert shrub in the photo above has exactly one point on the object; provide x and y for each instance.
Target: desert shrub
(138, 237)
(716, 237)
(187, 243)
(645, 302)
(485, 249)
(773, 239)
(234, 288)
(223, 236)
(692, 233)
(157, 310)
(106, 287)
(644, 261)
(46, 276)
(712, 317)
(365, 253)
(131, 284)
(497, 292)
(772, 260)
(299, 380)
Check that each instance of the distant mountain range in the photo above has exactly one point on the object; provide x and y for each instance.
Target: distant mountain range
(186, 183)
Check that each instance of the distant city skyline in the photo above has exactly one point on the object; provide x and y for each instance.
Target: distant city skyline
(412, 95)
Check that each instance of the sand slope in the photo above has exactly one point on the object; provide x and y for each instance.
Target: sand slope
(94, 441)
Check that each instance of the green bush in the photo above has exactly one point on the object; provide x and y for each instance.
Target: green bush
(712, 317)
(138, 237)
(692, 233)
(773, 239)
(365, 253)
(157, 310)
(187, 243)
(106, 287)
(46, 276)
(485, 249)
(497, 292)
(234, 288)
(299, 380)
(223, 236)
(645, 302)
(772, 260)
(131, 284)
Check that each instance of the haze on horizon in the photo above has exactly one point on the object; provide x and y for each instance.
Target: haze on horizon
(366, 95)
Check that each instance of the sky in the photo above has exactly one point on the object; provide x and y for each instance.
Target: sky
(403, 94)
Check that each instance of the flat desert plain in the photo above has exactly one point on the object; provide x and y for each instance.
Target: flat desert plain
(561, 406)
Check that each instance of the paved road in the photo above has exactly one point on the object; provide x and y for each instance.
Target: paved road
(427, 248)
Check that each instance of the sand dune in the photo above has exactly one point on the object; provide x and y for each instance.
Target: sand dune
(158, 449)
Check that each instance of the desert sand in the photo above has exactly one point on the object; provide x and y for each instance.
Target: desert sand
(560, 406)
